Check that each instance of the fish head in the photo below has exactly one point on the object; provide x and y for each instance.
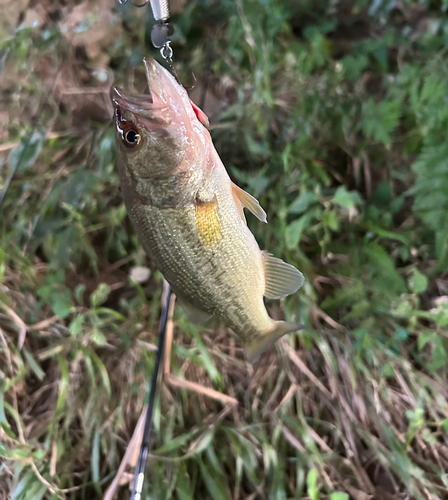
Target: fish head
(159, 133)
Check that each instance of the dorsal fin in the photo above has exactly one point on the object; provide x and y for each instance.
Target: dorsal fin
(200, 115)
(281, 279)
(246, 200)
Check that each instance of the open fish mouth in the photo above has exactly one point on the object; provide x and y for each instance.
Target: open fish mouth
(141, 106)
(157, 79)
(136, 103)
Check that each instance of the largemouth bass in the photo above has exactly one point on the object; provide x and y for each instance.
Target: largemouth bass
(190, 215)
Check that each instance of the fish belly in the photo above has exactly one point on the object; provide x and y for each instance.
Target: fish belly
(211, 260)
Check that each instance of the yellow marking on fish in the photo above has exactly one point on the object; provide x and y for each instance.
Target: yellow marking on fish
(208, 222)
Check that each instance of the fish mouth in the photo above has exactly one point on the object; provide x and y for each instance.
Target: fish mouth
(161, 82)
(132, 102)
(156, 77)
(152, 107)
(141, 106)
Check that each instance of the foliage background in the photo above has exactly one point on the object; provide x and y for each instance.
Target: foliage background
(335, 115)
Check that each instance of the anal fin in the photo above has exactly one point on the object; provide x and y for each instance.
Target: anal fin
(281, 279)
(246, 200)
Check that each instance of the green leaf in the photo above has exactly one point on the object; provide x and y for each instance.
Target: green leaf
(35, 491)
(209, 364)
(13, 454)
(383, 194)
(214, 482)
(354, 66)
(3, 420)
(418, 282)
(383, 267)
(401, 335)
(96, 457)
(176, 443)
(60, 305)
(440, 312)
(430, 190)
(101, 369)
(40, 374)
(64, 383)
(445, 424)
(98, 336)
(429, 437)
(258, 183)
(295, 229)
(439, 355)
(77, 324)
(183, 484)
(380, 119)
(311, 484)
(339, 495)
(383, 233)
(79, 293)
(24, 484)
(416, 417)
(27, 152)
(347, 199)
(302, 202)
(203, 444)
(329, 220)
(99, 296)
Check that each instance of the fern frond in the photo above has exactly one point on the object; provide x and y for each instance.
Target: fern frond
(430, 190)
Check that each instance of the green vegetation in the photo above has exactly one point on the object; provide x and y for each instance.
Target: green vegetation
(335, 116)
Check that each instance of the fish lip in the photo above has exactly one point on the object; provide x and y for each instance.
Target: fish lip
(141, 106)
(136, 103)
(152, 108)
(153, 71)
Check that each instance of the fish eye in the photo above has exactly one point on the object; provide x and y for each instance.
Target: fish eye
(131, 137)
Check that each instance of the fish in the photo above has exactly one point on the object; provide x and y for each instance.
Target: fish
(190, 216)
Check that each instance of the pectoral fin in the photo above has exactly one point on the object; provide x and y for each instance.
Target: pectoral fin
(281, 279)
(257, 347)
(246, 200)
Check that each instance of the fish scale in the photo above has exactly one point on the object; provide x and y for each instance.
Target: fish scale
(190, 216)
(180, 257)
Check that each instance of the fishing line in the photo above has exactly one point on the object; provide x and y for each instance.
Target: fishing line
(207, 70)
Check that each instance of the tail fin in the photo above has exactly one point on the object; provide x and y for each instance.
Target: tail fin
(258, 346)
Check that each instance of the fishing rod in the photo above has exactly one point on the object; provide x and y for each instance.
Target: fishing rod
(139, 473)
